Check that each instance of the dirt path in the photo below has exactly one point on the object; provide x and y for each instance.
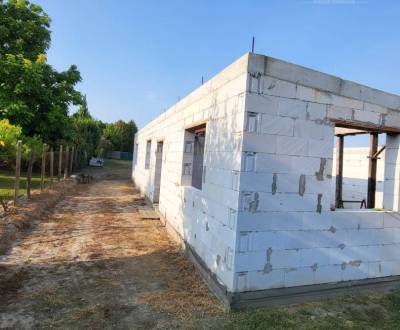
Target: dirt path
(94, 263)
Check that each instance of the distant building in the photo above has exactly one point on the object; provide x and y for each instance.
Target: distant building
(123, 155)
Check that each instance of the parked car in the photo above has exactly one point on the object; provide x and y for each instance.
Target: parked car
(96, 161)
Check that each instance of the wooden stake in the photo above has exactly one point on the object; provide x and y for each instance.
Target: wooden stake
(373, 149)
(76, 161)
(51, 165)
(17, 171)
(66, 162)
(339, 170)
(60, 157)
(43, 169)
(29, 174)
(71, 163)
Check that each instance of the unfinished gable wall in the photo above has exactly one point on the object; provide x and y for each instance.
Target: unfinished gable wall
(287, 234)
(205, 218)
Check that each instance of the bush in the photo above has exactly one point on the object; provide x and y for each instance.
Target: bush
(9, 134)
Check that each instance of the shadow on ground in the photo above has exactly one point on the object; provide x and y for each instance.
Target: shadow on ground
(92, 262)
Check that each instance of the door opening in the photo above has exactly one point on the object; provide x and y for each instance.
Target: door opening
(157, 174)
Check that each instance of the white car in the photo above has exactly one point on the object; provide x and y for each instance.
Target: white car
(96, 161)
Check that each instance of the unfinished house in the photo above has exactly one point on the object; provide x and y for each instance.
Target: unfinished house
(249, 172)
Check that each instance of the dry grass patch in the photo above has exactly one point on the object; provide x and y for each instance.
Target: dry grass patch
(184, 295)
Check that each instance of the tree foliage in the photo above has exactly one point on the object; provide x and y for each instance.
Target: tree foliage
(35, 99)
(33, 94)
(9, 135)
(24, 29)
(87, 131)
(120, 135)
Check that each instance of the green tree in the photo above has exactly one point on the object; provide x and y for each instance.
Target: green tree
(24, 29)
(120, 134)
(9, 134)
(33, 94)
(87, 131)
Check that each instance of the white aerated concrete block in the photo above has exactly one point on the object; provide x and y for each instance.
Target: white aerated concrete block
(269, 163)
(250, 261)
(328, 274)
(292, 108)
(320, 148)
(285, 220)
(312, 130)
(336, 112)
(375, 108)
(395, 235)
(291, 146)
(241, 282)
(285, 258)
(277, 125)
(260, 221)
(391, 220)
(374, 269)
(261, 280)
(287, 202)
(287, 183)
(367, 116)
(355, 271)
(316, 221)
(305, 165)
(314, 256)
(259, 143)
(313, 95)
(315, 186)
(252, 181)
(346, 102)
(299, 276)
(390, 268)
(262, 103)
(390, 252)
(276, 87)
(316, 111)
(245, 242)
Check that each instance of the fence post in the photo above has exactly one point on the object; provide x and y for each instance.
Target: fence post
(60, 157)
(29, 174)
(17, 171)
(51, 165)
(71, 160)
(76, 163)
(43, 169)
(66, 162)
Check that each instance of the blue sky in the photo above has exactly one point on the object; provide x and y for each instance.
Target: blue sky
(138, 57)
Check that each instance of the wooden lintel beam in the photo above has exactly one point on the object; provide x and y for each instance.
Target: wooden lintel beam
(350, 134)
(364, 126)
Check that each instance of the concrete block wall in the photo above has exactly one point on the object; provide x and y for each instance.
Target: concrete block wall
(391, 192)
(201, 217)
(264, 218)
(287, 234)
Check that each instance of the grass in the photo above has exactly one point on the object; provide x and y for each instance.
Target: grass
(364, 311)
(117, 163)
(7, 178)
(7, 181)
